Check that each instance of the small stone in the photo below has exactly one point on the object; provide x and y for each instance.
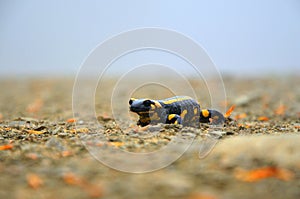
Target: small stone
(218, 134)
(80, 122)
(55, 131)
(63, 134)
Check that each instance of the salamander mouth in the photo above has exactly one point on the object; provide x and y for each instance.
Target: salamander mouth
(139, 110)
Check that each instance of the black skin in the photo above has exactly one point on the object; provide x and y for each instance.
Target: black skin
(177, 110)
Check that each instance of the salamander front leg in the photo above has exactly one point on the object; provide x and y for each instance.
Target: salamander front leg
(212, 116)
(173, 119)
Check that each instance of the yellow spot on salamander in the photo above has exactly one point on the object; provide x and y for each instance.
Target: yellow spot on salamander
(205, 112)
(176, 122)
(184, 112)
(155, 105)
(132, 99)
(171, 116)
(176, 99)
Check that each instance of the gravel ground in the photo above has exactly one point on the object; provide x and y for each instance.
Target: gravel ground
(256, 154)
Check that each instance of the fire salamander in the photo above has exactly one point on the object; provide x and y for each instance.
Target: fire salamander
(176, 110)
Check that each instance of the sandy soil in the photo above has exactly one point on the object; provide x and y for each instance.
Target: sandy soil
(256, 154)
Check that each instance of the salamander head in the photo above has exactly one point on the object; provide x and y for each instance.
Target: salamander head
(143, 106)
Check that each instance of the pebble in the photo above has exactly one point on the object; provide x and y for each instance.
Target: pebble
(55, 131)
(217, 134)
(63, 134)
(189, 134)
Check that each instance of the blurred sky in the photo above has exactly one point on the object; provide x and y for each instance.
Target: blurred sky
(242, 37)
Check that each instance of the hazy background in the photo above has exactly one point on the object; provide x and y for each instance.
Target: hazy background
(250, 37)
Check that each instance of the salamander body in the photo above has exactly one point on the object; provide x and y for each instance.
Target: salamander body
(175, 110)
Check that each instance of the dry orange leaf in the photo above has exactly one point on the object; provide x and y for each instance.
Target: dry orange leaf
(70, 131)
(6, 147)
(116, 144)
(93, 191)
(66, 153)
(201, 196)
(240, 116)
(263, 118)
(34, 181)
(72, 179)
(244, 125)
(71, 120)
(1, 116)
(280, 110)
(35, 106)
(228, 113)
(262, 173)
(35, 132)
(105, 117)
(32, 156)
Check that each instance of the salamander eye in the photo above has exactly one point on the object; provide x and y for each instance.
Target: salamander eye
(147, 103)
(130, 101)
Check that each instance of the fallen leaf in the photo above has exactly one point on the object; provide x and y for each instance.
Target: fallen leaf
(100, 143)
(104, 117)
(32, 156)
(262, 173)
(244, 125)
(66, 153)
(71, 120)
(6, 147)
(94, 191)
(280, 110)
(228, 113)
(116, 144)
(263, 118)
(71, 179)
(34, 132)
(240, 116)
(34, 181)
(201, 196)
(284, 174)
